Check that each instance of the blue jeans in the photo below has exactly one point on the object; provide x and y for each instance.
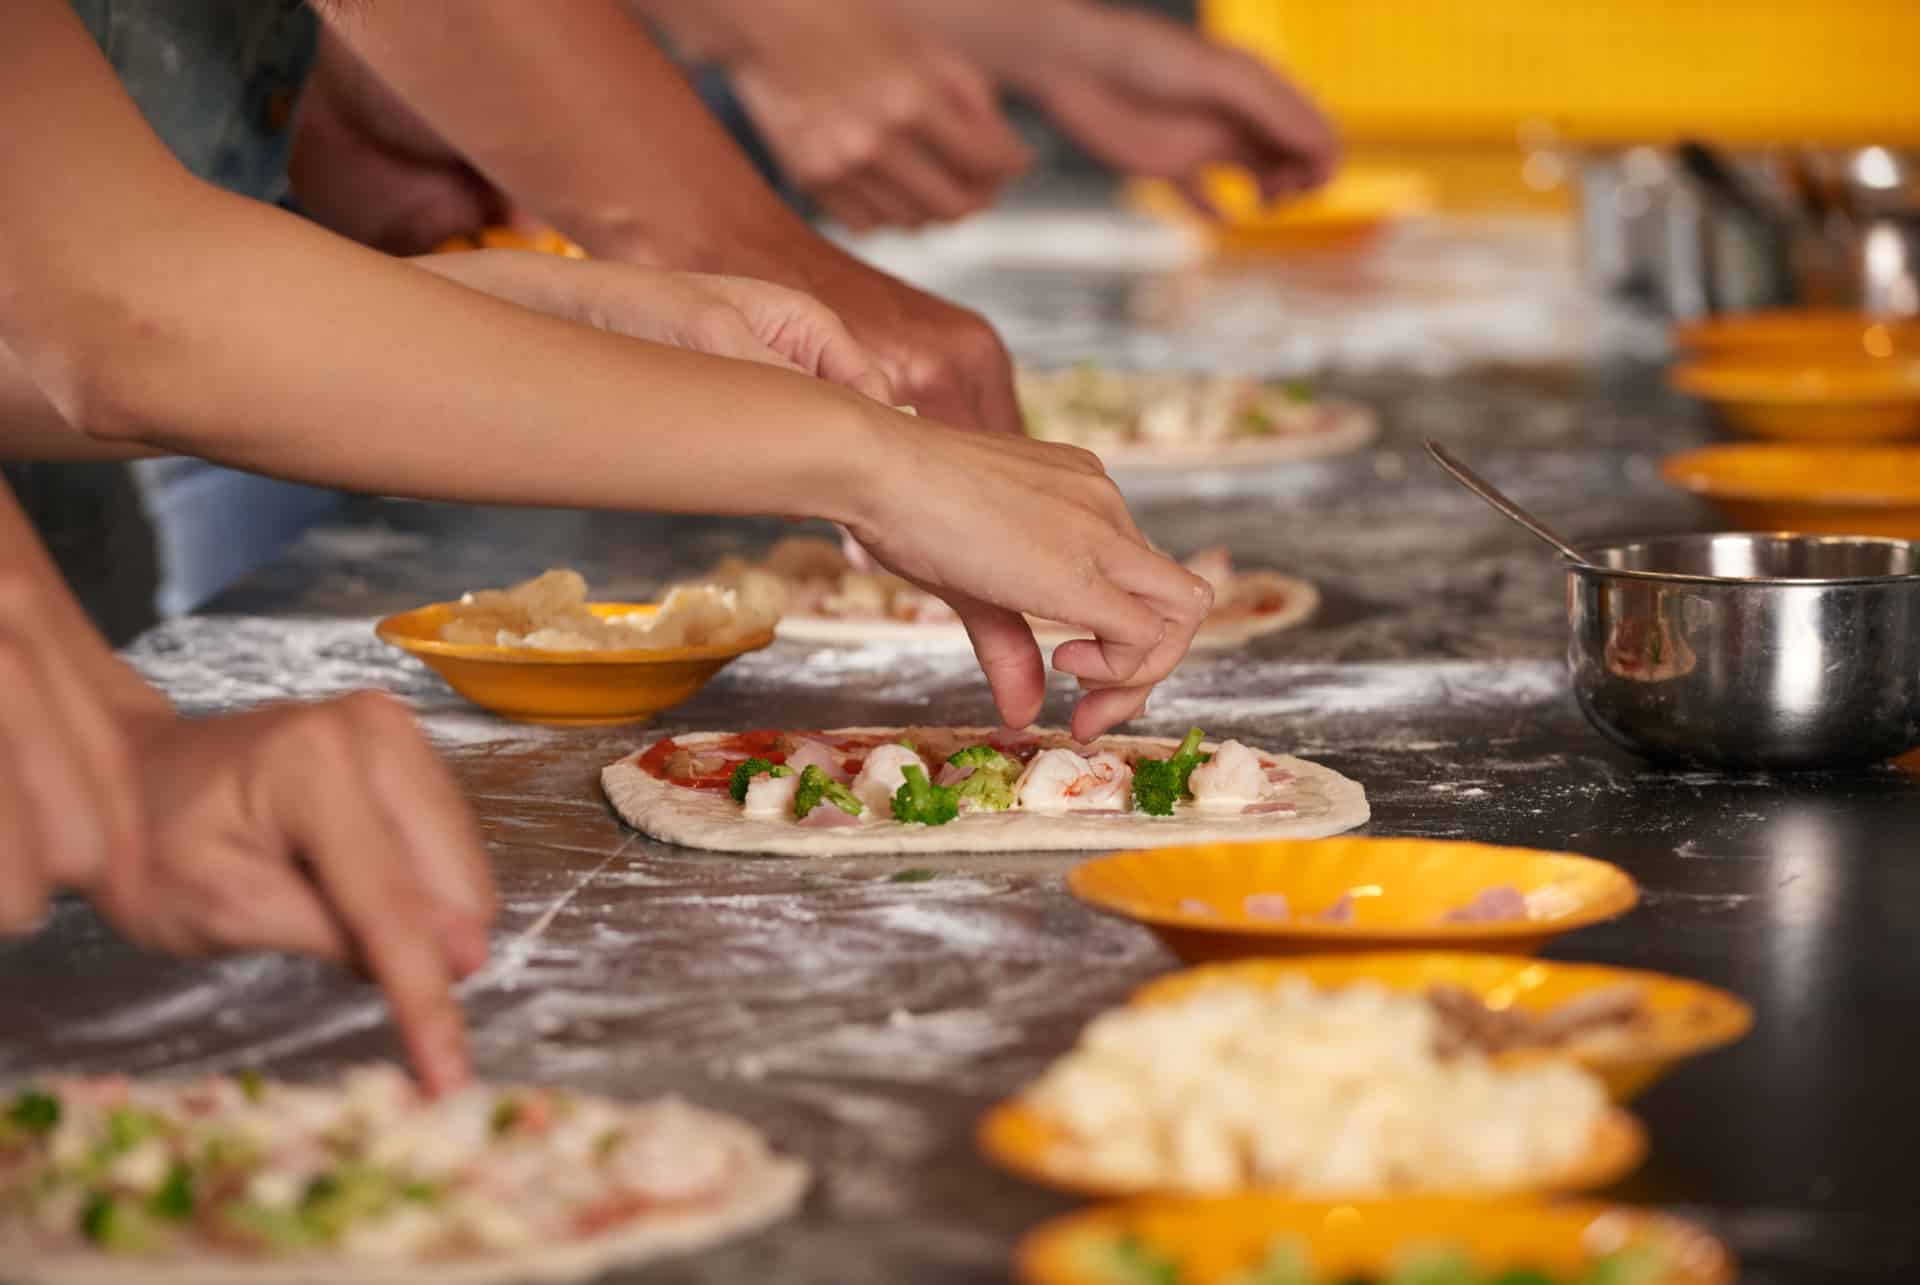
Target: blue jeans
(218, 80)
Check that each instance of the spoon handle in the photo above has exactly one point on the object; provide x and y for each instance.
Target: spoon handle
(1486, 491)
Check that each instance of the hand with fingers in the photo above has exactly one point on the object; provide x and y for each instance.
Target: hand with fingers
(1146, 95)
(1030, 527)
(881, 125)
(325, 829)
(723, 316)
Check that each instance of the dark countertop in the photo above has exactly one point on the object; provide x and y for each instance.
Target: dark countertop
(866, 1023)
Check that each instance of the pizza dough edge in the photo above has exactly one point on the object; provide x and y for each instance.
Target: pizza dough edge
(1303, 599)
(772, 1189)
(688, 818)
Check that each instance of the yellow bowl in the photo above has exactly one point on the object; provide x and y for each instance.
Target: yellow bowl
(1028, 1145)
(545, 241)
(1688, 1017)
(1401, 888)
(1213, 1240)
(1842, 400)
(1800, 334)
(1820, 490)
(563, 688)
(1356, 203)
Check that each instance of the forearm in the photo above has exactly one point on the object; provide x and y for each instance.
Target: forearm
(31, 429)
(281, 349)
(26, 569)
(620, 153)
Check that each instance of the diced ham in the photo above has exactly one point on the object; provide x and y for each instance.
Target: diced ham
(1266, 905)
(951, 775)
(685, 765)
(1273, 808)
(1340, 912)
(828, 816)
(1491, 905)
(1278, 776)
(811, 753)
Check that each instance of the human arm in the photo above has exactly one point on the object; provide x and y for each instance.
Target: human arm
(1143, 93)
(880, 124)
(328, 829)
(579, 117)
(157, 311)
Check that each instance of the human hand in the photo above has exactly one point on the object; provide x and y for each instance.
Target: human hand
(1023, 526)
(327, 829)
(1152, 98)
(719, 315)
(880, 125)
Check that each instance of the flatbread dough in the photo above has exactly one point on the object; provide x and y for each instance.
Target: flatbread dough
(1326, 803)
(1301, 600)
(762, 1187)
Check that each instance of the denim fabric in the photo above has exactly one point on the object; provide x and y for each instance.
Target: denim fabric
(218, 80)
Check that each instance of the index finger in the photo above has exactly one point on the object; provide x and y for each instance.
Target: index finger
(1288, 119)
(365, 868)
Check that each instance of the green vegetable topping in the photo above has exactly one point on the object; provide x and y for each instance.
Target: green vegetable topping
(506, 1114)
(608, 1143)
(1158, 784)
(420, 1193)
(115, 1224)
(919, 801)
(1125, 1260)
(744, 774)
(34, 1111)
(127, 1128)
(816, 786)
(174, 1201)
(984, 757)
(1285, 1264)
(1298, 390)
(1256, 421)
(351, 1194)
(917, 874)
(991, 785)
(252, 1084)
(273, 1227)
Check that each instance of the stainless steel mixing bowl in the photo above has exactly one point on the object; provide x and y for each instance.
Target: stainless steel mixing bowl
(1751, 651)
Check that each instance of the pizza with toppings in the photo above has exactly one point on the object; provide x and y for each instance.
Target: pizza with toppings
(831, 593)
(883, 790)
(1151, 420)
(239, 1179)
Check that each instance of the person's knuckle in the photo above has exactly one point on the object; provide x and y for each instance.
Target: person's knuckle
(19, 599)
(380, 712)
(860, 146)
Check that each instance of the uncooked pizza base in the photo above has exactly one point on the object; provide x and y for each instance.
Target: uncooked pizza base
(1326, 803)
(769, 1188)
(1352, 427)
(1300, 597)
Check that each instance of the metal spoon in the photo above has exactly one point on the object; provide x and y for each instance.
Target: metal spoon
(1486, 491)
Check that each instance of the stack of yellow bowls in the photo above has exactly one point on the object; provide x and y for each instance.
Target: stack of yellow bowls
(1835, 392)
(1207, 904)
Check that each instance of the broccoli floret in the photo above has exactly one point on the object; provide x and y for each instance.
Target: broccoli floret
(817, 787)
(1158, 784)
(984, 758)
(744, 774)
(1125, 1260)
(920, 801)
(34, 1112)
(1256, 421)
(116, 1224)
(1299, 390)
(989, 790)
(175, 1199)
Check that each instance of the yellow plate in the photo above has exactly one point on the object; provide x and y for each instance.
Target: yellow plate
(1400, 887)
(545, 241)
(1688, 1017)
(1800, 334)
(1358, 201)
(1823, 490)
(565, 688)
(1213, 1239)
(1843, 400)
(1025, 1143)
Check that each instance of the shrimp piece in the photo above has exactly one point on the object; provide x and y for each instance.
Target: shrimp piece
(883, 774)
(771, 796)
(818, 754)
(1059, 780)
(1232, 778)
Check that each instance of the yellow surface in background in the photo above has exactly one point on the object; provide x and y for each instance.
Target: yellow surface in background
(1606, 71)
